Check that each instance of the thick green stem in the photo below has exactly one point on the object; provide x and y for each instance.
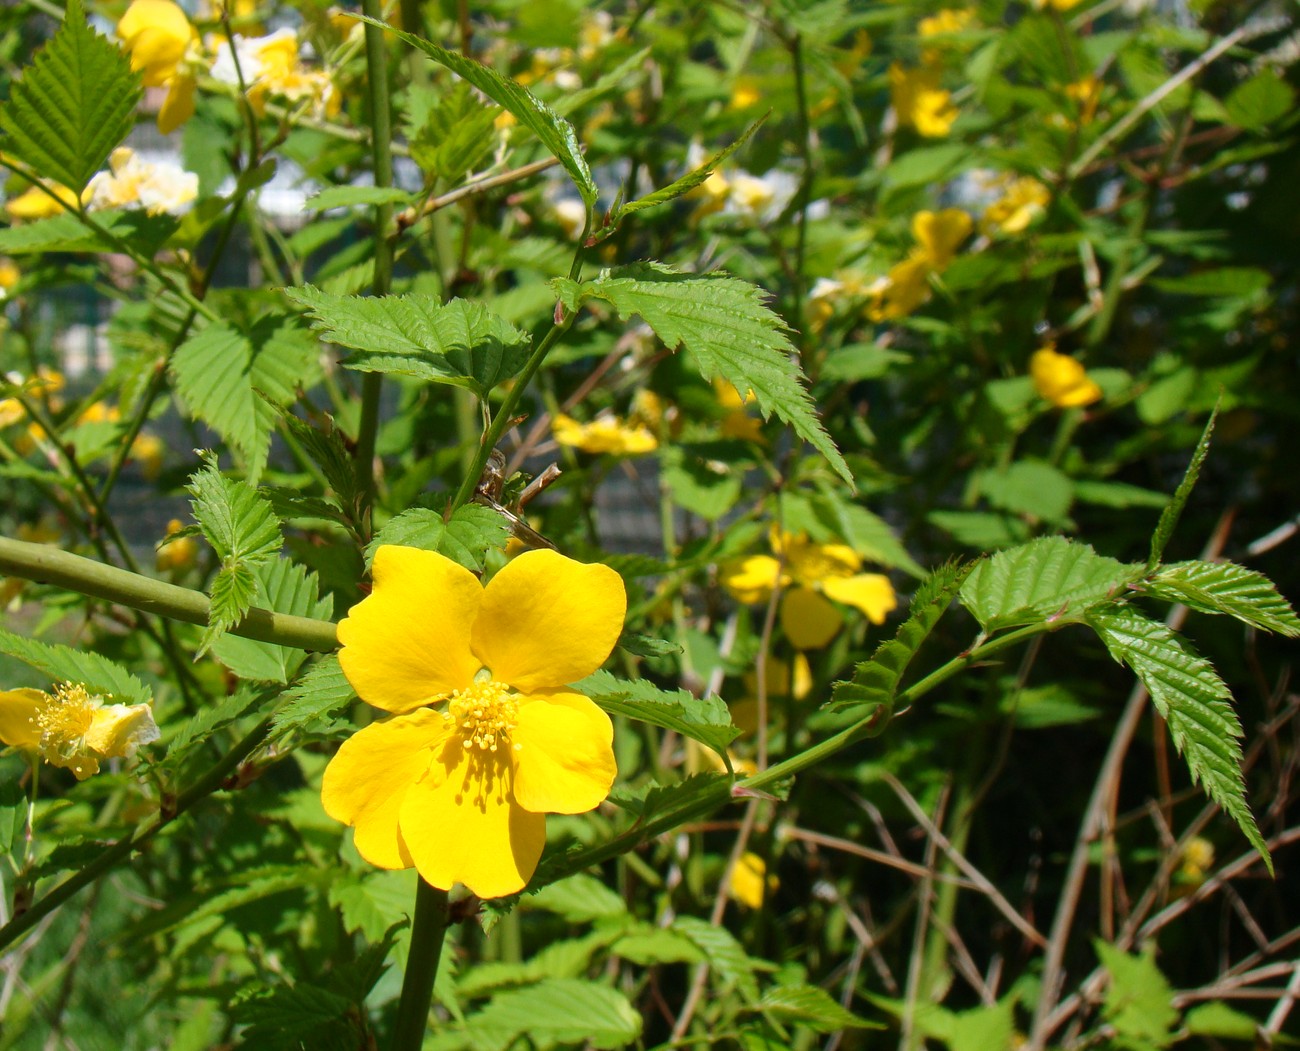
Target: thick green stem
(49, 565)
(123, 848)
(428, 931)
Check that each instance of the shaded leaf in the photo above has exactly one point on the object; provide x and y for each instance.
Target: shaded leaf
(704, 719)
(65, 664)
(465, 537)
(1225, 587)
(323, 689)
(812, 1006)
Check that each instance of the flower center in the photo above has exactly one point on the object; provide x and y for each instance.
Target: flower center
(485, 713)
(65, 720)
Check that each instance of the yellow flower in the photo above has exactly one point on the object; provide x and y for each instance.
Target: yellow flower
(745, 93)
(131, 182)
(9, 276)
(1061, 379)
(100, 412)
(945, 22)
(179, 554)
(158, 36)
(149, 451)
(1060, 5)
(1022, 201)
(1086, 95)
(750, 881)
(812, 574)
(907, 285)
(486, 738)
(939, 235)
(782, 679)
(919, 102)
(269, 66)
(73, 728)
(605, 434)
(35, 203)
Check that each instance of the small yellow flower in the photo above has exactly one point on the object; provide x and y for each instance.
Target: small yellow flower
(131, 182)
(149, 451)
(939, 235)
(10, 275)
(179, 554)
(945, 22)
(1086, 95)
(1023, 200)
(812, 574)
(269, 68)
(745, 94)
(35, 203)
(1061, 379)
(73, 728)
(920, 102)
(100, 412)
(605, 434)
(162, 44)
(1059, 5)
(750, 882)
(485, 738)
(907, 285)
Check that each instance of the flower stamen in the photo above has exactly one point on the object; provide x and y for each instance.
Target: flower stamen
(485, 713)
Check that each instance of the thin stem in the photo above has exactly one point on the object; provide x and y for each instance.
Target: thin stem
(85, 576)
(428, 931)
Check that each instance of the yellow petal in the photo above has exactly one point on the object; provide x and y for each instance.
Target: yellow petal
(940, 234)
(116, 730)
(178, 106)
(809, 620)
(564, 762)
(407, 643)
(748, 880)
(462, 824)
(156, 33)
(18, 710)
(372, 772)
(872, 593)
(751, 579)
(547, 620)
(1062, 380)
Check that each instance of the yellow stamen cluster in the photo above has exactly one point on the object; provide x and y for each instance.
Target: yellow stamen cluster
(65, 721)
(486, 712)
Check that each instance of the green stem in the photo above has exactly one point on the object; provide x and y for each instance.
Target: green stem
(428, 931)
(123, 848)
(381, 154)
(85, 576)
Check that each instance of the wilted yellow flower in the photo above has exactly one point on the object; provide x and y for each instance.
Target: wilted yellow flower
(750, 881)
(811, 574)
(176, 553)
(485, 738)
(73, 728)
(270, 68)
(920, 102)
(1061, 379)
(131, 182)
(35, 203)
(605, 434)
(1023, 200)
(163, 46)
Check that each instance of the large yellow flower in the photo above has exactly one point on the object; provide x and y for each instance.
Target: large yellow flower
(812, 574)
(72, 727)
(160, 40)
(486, 738)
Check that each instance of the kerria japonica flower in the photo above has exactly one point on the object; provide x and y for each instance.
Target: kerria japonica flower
(165, 49)
(604, 434)
(269, 67)
(74, 728)
(486, 737)
(1061, 379)
(132, 182)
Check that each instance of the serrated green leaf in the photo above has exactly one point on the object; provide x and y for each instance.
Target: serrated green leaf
(284, 587)
(1174, 509)
(554, 132)
(460, 343)
(564, 1010)
(465, 537)
(725, 955)
(691, 179)
(812, 1006)
(652, 798)
(1194, 703)
(726, 326)
(13, 815)
(1139, 1001)
(703, 719)
(1262, 100)
(208, 720)
(350, 196)
(72, 105)
(235, 381)
(67, 233)
(1027, 487)
(867, 533)
(646, 945)
(579, 899)
(454, 133)
(64, 664)
(875, 682)
(1225, 587)
(291, 1016)
(323, 689)
(1051, 578)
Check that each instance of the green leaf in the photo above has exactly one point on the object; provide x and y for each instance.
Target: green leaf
(726, 326)
(322, 690)
(554, 132)
(460, 343)
(1245, 281)
(1139, 1001)
(284, 587)
(234, 381)
(579, 899)
(703, 719)
(67, 233)
(875, 682)
(1225, 587)
(652, 798)
(563, 1010)
(350, 196)
(1051, 578)
(1117, 494)
(1170, 515)
(465, 537)
(691, 179)
(208, 720)
(1028, 487)
(1262, 100)
(453, 134)
(725, 955)
(1194, 702)
(65, 664)
(238, 522)
(72, 105)
(1218, 1019)
(325, 446)
(811, 1006)
(286, 1016)
(867, 533)
(646, 945)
